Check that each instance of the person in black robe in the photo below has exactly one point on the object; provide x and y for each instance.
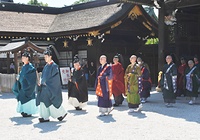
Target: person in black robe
(92, 74)
(169, 82)
(49, 91)
(77, 87)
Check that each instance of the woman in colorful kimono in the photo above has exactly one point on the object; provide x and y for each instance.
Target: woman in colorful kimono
(191, 75)
(103, 86)
(132, 74)
(118, 87)
(24, 88)
(145, 81)
(77, 87)
(50, 95)
(169, 82)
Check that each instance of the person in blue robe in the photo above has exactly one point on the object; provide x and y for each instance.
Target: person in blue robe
(24, 88)
(103, 86)
(49, 91)
(77, 87)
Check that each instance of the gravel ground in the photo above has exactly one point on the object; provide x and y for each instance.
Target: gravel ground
(154, 122)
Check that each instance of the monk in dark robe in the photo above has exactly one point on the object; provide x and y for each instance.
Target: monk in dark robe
(77, 87)
(103, 86)
(118, 87)
(50, 95)
(191, 83)
(24, 88)
(169, 82)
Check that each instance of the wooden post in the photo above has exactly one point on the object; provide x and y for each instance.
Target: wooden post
(8, 62)
(15, 62)
(161, 36)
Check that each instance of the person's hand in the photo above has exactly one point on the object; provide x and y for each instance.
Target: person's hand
(129, 74)
(17, 78)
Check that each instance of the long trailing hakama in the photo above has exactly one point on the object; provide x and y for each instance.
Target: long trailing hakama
(103, 90)
(131, 86)
(169, 83)
(50, 95)
(24, 89)
(77, 89)
(191, 84)
(145, 83)
(118, 87)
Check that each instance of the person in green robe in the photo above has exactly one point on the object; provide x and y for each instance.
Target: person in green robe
(191, 81)
(24, 88)
(132, 74)
(49, 95)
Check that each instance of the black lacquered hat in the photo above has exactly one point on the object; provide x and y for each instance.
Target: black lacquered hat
(48, 51)
(26, 54)
(117, 55)
(76, 58)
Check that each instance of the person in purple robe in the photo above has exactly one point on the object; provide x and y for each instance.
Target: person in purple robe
(145, 80)
(103, 86)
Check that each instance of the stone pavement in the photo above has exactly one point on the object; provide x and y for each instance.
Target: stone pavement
(154, 122)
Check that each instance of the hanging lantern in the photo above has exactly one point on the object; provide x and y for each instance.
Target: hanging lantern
(89, 40)
(65, 44)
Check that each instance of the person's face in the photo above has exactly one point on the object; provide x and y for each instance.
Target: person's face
(92, 64)
(102, 60)
(115, 60)
(76, 65)
(25, 60)
(47, 58)
(139, 61)
(168, 59)
(132, 59)
(182, 61)
(190, 64)
(195, 59)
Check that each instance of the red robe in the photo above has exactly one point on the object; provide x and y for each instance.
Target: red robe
(118, 79)
(181, 72)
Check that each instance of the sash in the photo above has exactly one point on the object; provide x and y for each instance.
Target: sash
(189, 85)
(165, 79)
(109, 82)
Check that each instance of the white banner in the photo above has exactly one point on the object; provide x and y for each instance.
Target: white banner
(65, 75)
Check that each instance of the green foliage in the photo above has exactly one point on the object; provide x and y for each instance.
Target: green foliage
(35, 2)
(152, 41)
(82, 1)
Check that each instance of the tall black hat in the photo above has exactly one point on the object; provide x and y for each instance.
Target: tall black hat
(76, 58)
(26, 54)
(48, 51)
(117, 56)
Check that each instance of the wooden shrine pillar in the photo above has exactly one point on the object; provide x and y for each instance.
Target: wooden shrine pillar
(8, 62)
(16, 62)
(161, 36)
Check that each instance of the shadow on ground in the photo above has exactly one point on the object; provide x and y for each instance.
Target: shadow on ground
(181, 108)
(48, 126)
(106, 119)
(7, 96)
(78, 112)
(22, 121)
